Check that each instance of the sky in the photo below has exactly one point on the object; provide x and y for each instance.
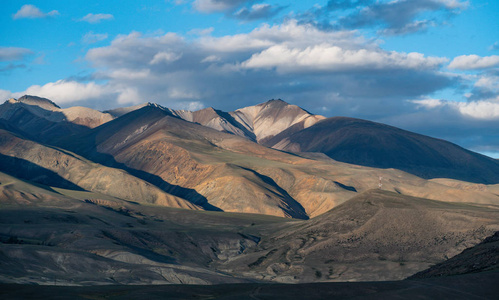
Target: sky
(428, 66)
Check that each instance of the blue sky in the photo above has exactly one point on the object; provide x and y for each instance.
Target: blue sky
(429, 66)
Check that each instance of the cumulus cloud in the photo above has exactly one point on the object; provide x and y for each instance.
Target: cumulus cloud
(339, 70)
(490, 83)
(63, 91)
(479, 109)
(474, 62)
(13, 53)
(485, 110)
(29, 11)
(336, 69)
(91, 38)
(96, 18)
(258, 11)
(336, 59)
(129, 95)
(5, 95)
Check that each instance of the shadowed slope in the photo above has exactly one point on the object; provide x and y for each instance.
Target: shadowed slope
(483, 257)
(47, 122)
(377, 145)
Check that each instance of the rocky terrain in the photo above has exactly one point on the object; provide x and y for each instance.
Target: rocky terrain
(377, 235)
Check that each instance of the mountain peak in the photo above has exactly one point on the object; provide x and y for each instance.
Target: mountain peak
(152, 104)
(208, 109)
(275, 102)
(38, 101)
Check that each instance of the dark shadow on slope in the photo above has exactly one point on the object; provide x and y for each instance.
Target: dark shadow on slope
(27, 170)
(483, 257)
(377, 145)
(346, 187)
(233, 121)
(5, 125)
(149, 254)
(295, 209)
(40, 129)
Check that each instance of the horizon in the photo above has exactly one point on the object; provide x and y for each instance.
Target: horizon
(430, 67)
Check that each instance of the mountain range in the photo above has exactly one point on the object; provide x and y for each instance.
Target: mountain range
(269, 192)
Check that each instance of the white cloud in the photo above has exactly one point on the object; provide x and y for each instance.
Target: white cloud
(29, 11)
(479, 109)
(453, 4)
(63, 91)
(490, 83)
(474, 62)
(96, 18)
(428, 103)
(165, 57)
(484, 110)
(289, 33)
(211, 58)
(334, 59)
(13, 53)
(127, 74)
(5, 95)
(171, 69)
(129, 96)
(133, 50)
(91, 38)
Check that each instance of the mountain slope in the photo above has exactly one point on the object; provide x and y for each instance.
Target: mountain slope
(46, 121)
(377, 145)
(63, 237)
(59, 168)
(232, 173)
(218, 170)
(171, 152)
(268, 119)
(377, 235)
(483, 257)
(258, 123)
